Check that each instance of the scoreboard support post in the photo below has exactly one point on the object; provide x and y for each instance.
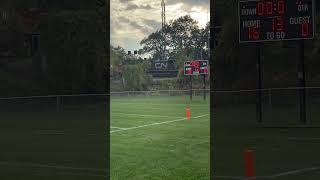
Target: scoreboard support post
(278, 20)
(190, 88)
(204, 87)
(302, 83)
(259, 86)
(196, 68)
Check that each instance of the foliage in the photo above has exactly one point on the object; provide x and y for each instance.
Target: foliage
(136, 78)
(76, 59)
(179, 35)
(184, 40)
(72, 55)
(153, 44)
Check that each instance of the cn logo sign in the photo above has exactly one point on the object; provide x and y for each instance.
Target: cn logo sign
(161, 65)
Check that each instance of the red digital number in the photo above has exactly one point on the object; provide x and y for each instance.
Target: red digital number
(254, 33)
(260, 8)
(269, 7)
(305, 29)
(195, 63)
(264, 8)
(278, 24)
(197, 66)
(274, 24)
(281, 6)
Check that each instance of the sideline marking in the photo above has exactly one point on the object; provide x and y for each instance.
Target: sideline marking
(145, 115)
(293, 172)
(298, 171)
(300, 138)
(82, 174)
(62, 133)
(155, 124)
(229, 177)
(50, 166)
(116, 127)
(156, 104)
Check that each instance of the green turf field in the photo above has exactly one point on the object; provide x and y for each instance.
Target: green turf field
(48, 145)
(280, 153)
(150, 139)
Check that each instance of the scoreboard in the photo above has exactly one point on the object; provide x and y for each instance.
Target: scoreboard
(275, 20)
(196, 67)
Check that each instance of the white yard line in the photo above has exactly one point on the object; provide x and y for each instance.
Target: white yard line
(93, 134)
(229, 177)
(51, 132)
(145, 115)
(116, 127)
(61, 133)
(82, 174)
(282, 174)
(156, 104)
(155, 124)
(50, 166)
(200, 143)
(298, 171)
(300, 138)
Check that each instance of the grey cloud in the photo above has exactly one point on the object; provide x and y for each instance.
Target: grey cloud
(134, 7)
(138, 26)
(125, 1)
(134, 24)
(123, 20)
(114, 26)
(189, 2)
(152, 23)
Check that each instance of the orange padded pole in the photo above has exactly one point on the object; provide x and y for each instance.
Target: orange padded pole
(249, 163)
(188, 113)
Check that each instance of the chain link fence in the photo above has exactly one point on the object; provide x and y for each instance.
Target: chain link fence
(191, 93)
(279, 106)
(53, 103)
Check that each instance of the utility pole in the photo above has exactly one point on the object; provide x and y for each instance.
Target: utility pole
(163, 17)
(163, 13)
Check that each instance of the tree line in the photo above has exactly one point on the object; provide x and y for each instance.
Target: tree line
(69, 43)
(181, 40)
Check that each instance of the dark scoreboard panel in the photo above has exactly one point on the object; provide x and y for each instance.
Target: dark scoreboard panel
(274, 20)
(196, 67)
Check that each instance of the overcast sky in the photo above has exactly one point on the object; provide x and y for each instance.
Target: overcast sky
(132, 20)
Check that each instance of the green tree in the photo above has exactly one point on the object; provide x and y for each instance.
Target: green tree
(135, 78)
(77, 57)
(117, 55)
(153, 44)
(180, 35)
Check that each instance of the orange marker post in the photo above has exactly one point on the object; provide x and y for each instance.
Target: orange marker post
(249, 163)
(188, 113)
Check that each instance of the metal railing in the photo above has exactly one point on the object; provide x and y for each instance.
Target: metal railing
(279, 106)
(57, 103)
